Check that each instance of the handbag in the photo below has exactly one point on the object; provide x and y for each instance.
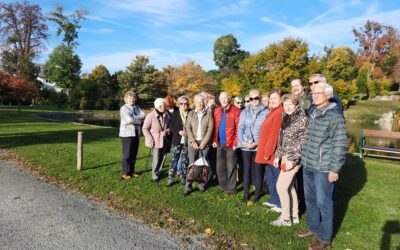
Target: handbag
(199, 170)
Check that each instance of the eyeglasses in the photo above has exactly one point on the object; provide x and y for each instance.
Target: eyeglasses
(254, 98)
(317, 93)
(239, 102)
(184, 104)
(247, 101)
(314, 82)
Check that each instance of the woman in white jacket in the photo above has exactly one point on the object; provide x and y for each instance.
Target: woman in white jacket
(129, 131)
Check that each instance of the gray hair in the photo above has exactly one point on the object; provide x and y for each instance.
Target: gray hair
(159, 102)
(238, 99)
(321, 76)
(183, 97)
(129, 93)
(327, 87)
(200, 96)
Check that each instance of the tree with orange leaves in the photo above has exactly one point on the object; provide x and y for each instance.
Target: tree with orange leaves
(16, 88)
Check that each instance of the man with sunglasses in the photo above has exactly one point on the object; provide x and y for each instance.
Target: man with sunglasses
(319, 78)
(238, 102)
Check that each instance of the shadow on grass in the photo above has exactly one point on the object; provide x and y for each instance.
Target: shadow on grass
(353, 178)
(390, 229)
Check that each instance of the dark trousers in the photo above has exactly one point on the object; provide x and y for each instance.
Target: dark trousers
(252, 171)
(130, 146)
(226, 168)
(239, 158)
(272, 176)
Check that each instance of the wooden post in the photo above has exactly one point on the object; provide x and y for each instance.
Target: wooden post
(79, 152)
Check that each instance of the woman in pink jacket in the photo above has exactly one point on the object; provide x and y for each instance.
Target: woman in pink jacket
(155, 130)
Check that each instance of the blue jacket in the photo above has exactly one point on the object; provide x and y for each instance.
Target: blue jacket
(249, 131)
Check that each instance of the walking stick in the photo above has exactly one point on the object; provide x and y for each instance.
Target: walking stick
(147, 163)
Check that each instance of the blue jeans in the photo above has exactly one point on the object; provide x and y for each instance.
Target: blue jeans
(179, 167)
(319, 204)
(272, 174)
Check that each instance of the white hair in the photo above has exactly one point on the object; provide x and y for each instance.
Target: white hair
(327, 87)
(200, 96)
(159, 102)
(238, 99)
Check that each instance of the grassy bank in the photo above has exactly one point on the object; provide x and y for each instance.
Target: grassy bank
(367, 209)
(369, 111)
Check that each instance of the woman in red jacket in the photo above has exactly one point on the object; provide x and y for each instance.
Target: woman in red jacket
(267, 143)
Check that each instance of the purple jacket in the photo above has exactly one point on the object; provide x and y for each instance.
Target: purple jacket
(153, 125)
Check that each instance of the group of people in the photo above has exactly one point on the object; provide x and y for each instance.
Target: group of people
(297, 141)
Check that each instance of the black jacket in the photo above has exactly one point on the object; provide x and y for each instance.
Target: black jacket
(176, 125)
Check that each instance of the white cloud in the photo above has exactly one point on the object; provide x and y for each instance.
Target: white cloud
(97, 31)
(159, 57)
(338, 32)
(158, 12)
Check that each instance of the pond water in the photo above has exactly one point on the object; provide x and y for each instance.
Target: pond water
(354, 131)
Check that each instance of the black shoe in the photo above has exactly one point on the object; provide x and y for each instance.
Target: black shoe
(245, 198)
(185, 193)
(256, 198)
(170, 183)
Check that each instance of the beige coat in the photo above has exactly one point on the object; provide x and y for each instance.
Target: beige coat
(207, 125)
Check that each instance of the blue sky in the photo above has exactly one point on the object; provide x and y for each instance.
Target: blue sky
(171, 32)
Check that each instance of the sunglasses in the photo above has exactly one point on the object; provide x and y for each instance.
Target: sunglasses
(185, 104)
(254, 98)
(239, 102)
(314, 82)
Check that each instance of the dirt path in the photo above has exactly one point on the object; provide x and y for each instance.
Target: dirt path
(38, 215)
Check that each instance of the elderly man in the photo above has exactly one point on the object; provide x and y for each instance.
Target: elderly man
(225, 138)
(323, 156)
(298, 91)
(319, 78)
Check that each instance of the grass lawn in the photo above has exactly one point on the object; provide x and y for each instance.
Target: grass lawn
(370, 111)
(368, 214)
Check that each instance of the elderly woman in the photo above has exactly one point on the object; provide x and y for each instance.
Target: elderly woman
(179, 149)
(250, 122)
(155, 130)
(287, 157)
(268, 140)
(199, 128)
(129, 131)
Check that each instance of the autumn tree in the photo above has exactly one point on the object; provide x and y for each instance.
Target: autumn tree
(276, 65)
(227, 53)
(68, 24)
(63, 67)
(188, 79)
(232, 85)
(23, 31)
(144, 79)
(378, 48)
(18, 88)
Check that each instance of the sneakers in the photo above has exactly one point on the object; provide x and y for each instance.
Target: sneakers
(170, 183)
(295, 220)
(268, 204)
(281, 222)
(186, 193)
(126, 177)
(276, 209)
(135, 174)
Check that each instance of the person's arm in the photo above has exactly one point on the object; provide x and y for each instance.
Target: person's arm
(210, 128)
(272, 138)
(241, 128)
(339, 143)
(189, 128)
(149, 140)
(295, 151)
(236, 124)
